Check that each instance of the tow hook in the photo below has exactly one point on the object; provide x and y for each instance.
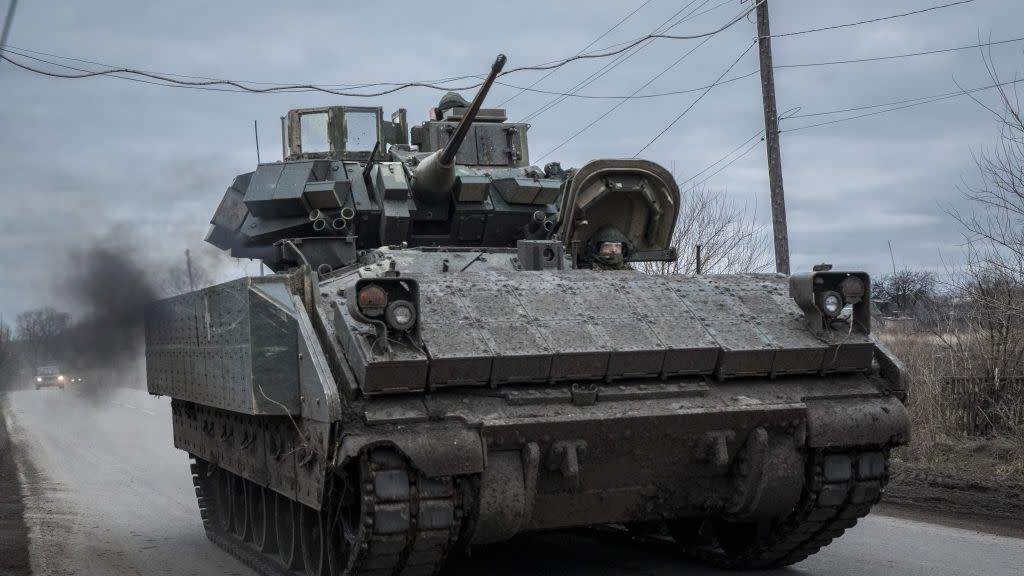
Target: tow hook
(565, 457)
(584, 394)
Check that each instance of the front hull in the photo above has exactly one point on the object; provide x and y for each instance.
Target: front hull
(737, 449)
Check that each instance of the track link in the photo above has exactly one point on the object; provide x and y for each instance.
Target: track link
(409, 522)
(406, 522)
(841, 488)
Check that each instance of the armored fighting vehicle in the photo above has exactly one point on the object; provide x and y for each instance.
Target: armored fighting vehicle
(455, 347)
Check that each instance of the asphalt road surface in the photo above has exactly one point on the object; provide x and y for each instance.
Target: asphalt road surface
(107, 494)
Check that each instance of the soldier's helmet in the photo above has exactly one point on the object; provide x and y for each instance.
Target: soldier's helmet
(452, 100)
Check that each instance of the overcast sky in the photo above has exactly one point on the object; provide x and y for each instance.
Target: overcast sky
(84, 159)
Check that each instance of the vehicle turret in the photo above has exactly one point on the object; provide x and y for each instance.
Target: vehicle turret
(434, 176)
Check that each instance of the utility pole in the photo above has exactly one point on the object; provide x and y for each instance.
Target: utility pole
(6, 30)
(771, 131)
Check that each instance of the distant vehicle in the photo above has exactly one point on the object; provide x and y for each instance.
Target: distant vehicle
(50, 377)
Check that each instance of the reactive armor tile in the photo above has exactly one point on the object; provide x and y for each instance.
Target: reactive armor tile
(521, 353)
(459, 353)
(635, 351)
(578, 351)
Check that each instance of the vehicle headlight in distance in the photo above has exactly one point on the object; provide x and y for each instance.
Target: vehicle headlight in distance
(401, 315)
(39, 378)
(831, 303)
(60, 378)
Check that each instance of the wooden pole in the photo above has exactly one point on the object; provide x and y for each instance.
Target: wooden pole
(771, 129)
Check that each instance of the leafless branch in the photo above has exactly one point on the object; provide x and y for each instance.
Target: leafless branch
(730, 237)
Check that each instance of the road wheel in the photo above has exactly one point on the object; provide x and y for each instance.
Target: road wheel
(222, 498)
(240, 508)
(287, 522)
(840, 488)
(261, 517)
(312, 538)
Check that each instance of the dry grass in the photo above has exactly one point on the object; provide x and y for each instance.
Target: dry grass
(940, 442)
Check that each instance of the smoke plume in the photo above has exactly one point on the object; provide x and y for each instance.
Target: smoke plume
(110, 283)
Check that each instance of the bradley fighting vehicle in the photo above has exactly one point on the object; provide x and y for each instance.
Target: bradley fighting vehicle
(455, 348)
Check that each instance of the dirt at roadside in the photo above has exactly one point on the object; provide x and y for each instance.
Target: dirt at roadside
(976, 483)
(14, 558)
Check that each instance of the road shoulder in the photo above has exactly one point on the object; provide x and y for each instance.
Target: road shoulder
(969, 495)
(14, 539)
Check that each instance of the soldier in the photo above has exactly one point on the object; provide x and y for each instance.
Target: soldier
(609, 249)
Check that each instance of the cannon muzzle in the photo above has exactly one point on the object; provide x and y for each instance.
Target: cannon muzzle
(434, 177)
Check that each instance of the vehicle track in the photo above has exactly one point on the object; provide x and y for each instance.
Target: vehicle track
(404, 525)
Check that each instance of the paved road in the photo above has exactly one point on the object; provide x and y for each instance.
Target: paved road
(106, 494)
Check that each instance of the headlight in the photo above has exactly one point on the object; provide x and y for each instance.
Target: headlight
(372, 299)
(60, 378)
(831, 303)
(401, 315)
(853, 289)
(39, 378)
(388, 303)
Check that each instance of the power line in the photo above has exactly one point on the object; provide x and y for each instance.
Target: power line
(255, 82)
(871, 20)
(633, 43)
(119, 77)
(889, 107)
(722, 159)
(594, 41)
(921, 99)
(26, 53)
(748, 150)
(649, 82)
(894, 106)
(436, 84)
(314, 88)
(898, 56)
(663, 27)
(698, 99)
(635, 96)
(18, 52)
(621, 102)
(167, 80)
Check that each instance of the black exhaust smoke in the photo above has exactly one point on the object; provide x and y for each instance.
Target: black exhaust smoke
(110, 283)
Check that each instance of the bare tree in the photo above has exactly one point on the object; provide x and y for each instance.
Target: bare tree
(984, 338)
(728, 233)
(41, 330)
(906, 288)
(994, 226)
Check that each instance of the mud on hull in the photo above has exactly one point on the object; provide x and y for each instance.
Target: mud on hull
(752, 474)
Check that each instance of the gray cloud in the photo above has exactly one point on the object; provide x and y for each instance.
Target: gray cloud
(80, 158)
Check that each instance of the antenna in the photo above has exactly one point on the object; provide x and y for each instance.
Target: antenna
(284, 153)
(188, 264)
(256, 131)
(892, 258)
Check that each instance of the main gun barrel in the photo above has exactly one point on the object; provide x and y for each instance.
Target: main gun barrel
(435, 174)
(448, 154)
